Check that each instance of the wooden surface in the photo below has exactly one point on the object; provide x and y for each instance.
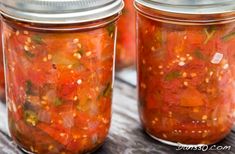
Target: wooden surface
(126, 135)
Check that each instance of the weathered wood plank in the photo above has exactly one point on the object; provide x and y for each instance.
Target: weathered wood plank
(3, 117)
(128, 76)
(7, 146)
(126, 135)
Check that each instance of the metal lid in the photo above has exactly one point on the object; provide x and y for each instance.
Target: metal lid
(191, 6)
(60, 11)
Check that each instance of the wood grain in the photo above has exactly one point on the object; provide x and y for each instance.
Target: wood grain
(126, 135)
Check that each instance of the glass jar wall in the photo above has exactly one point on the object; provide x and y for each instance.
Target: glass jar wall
(59, 87)
(59, 83)
(186, 70)
(126, 50)
(2, 82)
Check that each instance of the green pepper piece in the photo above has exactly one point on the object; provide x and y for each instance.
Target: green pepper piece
(81, 51)
(172, 75)
(29, 54)
(28, 87)
(58, 102)
(108, 89)
(37, 39)
(111, 29)
(210, 32)
(228, 36)
(198, 54)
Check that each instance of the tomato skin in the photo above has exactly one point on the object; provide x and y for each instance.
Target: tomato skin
(184, 96)
(59, 86)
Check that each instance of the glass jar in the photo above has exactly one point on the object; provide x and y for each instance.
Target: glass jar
(2, 81)
(186, 69)
(59, 73)
(126, 51)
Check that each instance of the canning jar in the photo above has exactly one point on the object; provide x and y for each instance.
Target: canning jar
(59, 59)
(2, 82)
(186, 69)
(126, 51)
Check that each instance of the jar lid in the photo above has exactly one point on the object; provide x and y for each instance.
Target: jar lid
(60, 11)
(191, 6)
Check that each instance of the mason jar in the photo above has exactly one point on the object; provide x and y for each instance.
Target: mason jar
(126, 48)
(186, 69)
(59, 62)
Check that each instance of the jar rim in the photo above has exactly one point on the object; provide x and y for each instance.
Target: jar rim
(192, 7)
(207, 18)
(60, 11)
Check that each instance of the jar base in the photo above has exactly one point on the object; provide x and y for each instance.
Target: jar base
(28, 152)
(176, 144)
(24, 150)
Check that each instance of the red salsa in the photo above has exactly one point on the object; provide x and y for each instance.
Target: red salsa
(186, 80)
(59, 86)
(126, 51)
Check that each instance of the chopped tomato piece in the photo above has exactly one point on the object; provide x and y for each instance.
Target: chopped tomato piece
(191, 97)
